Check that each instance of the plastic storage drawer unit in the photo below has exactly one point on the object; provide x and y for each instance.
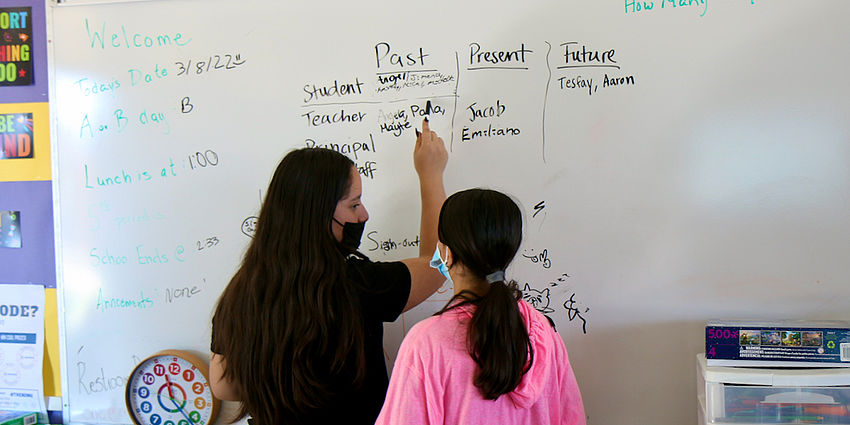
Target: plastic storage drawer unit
(743, 395)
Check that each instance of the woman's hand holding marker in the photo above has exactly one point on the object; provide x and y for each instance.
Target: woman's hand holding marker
(429, 155)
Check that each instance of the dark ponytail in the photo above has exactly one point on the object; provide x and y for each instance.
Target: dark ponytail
(483, 228)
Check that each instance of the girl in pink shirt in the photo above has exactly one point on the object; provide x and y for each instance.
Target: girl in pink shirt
(488, 357)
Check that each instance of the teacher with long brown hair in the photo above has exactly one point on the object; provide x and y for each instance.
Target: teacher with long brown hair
(298, 332)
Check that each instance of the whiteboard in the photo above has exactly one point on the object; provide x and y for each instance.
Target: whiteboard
(674, 164)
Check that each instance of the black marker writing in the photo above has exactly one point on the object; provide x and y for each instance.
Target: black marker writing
(573, 312)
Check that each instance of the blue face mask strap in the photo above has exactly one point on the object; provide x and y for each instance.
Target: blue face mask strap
(497, 276)
(438, 263)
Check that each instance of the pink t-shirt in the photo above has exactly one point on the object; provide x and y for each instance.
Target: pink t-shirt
(432, 380)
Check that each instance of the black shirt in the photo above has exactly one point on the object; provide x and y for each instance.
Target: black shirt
(384, 288)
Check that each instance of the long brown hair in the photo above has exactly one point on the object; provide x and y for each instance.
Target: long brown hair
(483, 228)
(287, 324)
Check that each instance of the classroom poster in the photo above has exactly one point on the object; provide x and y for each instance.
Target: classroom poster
(24, 141)
(16, 47)
(16, 136)
(27, 45)
(10, 229)
(21, 347)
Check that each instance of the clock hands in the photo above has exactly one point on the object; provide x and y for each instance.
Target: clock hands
(168, 381)
(171, 397)
(181, 410)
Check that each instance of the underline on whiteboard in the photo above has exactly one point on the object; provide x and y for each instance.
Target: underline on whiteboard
(407, 70)
(477, 68)
(445, 96)
(364, 102)
(376, 102)
(588, 66)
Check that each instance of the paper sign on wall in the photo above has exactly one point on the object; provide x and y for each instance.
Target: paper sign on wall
(21, 347)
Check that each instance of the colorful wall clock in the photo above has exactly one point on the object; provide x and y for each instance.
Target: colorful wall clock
(171, 387)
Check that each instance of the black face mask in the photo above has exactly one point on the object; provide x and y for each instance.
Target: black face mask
(351, 234)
